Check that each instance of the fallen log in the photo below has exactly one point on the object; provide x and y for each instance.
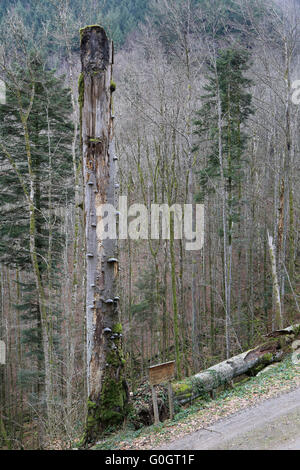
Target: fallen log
(278, 343)
(273, 350)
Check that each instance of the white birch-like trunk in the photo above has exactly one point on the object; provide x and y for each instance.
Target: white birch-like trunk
(276, 290)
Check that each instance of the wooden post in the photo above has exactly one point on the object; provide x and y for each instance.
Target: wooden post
(171, 404)
(158, 374)
(107, 390)
(155, 405)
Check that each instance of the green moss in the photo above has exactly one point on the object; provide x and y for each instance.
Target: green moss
(181, 388)
(112, 359)
(117, 328)
(91, 405)
(81, 90)
(296, 331)
(91, 420)
(267, 357)
(114, 396)
(243, 381)
(113, 401)
(81, 442)
(112, 407)
(113, 86)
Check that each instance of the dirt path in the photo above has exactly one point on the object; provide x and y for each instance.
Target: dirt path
(273, 424)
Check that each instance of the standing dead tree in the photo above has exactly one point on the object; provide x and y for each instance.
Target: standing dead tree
(107, 388)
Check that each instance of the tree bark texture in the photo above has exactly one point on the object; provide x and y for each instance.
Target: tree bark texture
(107, 389)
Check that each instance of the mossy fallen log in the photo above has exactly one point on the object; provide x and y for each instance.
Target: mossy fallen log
(278, 343)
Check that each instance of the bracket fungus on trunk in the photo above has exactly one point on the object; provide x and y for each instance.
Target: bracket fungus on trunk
(107, 389)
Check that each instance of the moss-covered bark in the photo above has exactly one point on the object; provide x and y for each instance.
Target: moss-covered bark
(111, 406)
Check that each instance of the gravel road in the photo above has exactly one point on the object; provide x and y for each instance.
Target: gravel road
(273, 424)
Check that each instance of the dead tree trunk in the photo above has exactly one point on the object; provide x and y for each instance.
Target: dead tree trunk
(107, 389)
(278, 343)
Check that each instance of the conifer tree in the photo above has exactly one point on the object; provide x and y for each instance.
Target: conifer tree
(226, 107)
(49, 139)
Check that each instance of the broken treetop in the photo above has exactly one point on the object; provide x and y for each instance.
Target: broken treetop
(94, 49)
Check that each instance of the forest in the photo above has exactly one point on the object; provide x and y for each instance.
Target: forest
(203, 99)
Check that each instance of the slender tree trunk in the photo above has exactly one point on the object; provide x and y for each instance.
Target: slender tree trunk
(226, 234)
(276, 289)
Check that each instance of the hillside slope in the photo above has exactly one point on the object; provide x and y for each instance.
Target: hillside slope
(282, 378)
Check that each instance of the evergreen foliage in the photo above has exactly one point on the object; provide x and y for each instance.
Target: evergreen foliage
(227, 76)
(52, 163)
(119, 18)
(50, 134)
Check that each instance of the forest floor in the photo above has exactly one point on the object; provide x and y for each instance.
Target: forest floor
(184, 431)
